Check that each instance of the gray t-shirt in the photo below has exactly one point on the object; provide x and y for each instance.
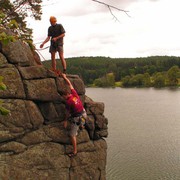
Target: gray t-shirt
(55, 31)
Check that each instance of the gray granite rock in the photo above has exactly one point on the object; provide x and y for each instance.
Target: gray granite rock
(33, 141)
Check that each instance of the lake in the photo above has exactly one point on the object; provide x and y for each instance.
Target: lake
(144, 132)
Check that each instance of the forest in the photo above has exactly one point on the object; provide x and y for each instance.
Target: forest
(155, 71)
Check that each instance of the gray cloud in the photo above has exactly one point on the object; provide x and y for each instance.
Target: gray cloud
(90, 7)
(91, 29)
(84, 7)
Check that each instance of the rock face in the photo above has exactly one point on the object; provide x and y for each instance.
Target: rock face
(33, 141)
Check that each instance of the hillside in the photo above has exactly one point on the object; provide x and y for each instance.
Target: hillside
(92, 68)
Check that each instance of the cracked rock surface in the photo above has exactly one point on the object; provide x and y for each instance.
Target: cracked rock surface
(33, 141)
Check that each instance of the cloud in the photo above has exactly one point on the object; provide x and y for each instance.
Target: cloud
(91, 30)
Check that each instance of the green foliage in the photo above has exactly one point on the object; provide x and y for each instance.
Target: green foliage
(2, 85)
(106, 81)
(126, 81)
(110, 79)
(159, 80)
(3, 111)
(139, 80)
(172, 75)
(129, 71)
(14, 12)
(5, 39)
(146, 80)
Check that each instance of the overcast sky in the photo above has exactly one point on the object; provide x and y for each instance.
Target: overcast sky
(153, 27)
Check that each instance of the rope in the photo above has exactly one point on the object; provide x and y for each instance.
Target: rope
(40, 54)
(41, 50)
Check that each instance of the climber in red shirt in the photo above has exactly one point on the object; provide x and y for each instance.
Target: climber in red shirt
(76, 114)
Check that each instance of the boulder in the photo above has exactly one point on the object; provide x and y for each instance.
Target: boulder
(33, 141)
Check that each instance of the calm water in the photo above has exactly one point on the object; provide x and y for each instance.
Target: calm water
(144, 132)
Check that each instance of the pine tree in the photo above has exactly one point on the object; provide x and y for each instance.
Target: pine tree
(13, 15)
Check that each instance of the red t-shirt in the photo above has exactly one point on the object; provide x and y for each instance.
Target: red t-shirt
(74, 104)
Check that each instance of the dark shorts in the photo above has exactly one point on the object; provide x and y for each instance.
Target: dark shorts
(56, 49)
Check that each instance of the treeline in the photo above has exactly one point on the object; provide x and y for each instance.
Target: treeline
(105, 71)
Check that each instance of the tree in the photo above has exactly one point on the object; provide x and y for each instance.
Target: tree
(126, 81)
(110, 78)
(146, 80)
(172, 75)
(105, 81)
(13, 14)
(99, 82)
(132, 71)
(159, 80)
(110, 7)
(151, 70)
(112, 67)
(136, 80)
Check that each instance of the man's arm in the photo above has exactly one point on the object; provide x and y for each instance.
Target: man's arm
(58, 37)
(45, 41)
(68, 81)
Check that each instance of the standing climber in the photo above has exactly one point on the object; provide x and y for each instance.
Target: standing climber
(56, 32)
(76, 114)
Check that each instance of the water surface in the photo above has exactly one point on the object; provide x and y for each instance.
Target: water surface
(144, 132)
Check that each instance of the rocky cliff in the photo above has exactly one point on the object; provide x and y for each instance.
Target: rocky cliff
(33, 142)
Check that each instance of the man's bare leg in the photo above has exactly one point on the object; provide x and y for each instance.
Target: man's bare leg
(63, 61)
(53, 61)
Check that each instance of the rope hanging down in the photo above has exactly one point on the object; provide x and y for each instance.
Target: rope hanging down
(40, 54)
(38, 50)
